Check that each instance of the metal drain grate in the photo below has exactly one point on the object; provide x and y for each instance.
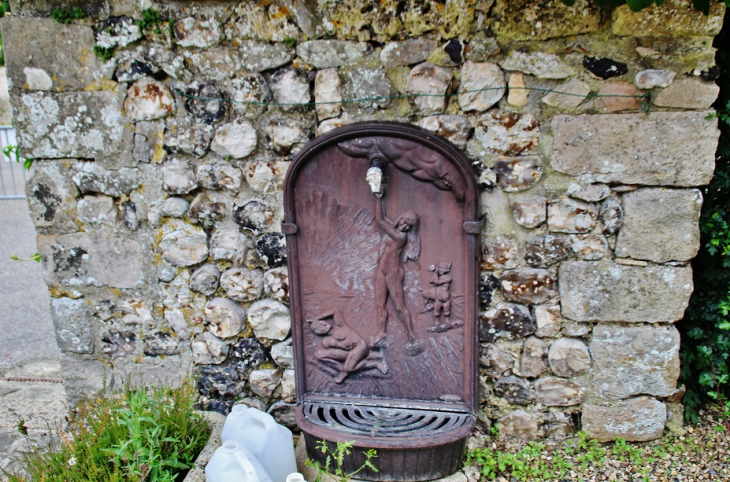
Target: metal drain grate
(384, 422)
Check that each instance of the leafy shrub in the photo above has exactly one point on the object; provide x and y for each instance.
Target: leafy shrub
(65, 15)
(706, 327)
(148, 434)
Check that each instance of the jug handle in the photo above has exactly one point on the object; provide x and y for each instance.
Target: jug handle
(246, 466)
(263, 419)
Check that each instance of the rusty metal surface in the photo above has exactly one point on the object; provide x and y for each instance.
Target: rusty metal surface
(382, 236)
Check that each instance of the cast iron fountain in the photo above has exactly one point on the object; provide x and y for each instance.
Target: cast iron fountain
(382, 235)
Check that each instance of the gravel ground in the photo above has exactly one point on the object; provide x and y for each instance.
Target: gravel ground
(702, 453)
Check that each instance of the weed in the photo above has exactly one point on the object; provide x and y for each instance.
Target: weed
(335, 459)
(139, 434)
(65, 15)
(290, 42)
(35, 257)
(104, 54)
(150, 18)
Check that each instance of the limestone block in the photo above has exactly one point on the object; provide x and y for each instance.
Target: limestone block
(208, 349)
(661, 148)
(327, 94)
(427, 78)
(182, 307)
(539, 64)
(500, 253)
(589, 247)
(236, 139)
(673, 18)
(514, 389)
(568, 95)
(547, 250)
(99, 210)
(506, 320)
(175, 207)
(193, 32)
(74, 326)
(148, 99)
(528, 285)
(605, 291)
(570, 216)
(215, 63)
(42, 54)
(455, 128)
(519, 425)
(90, 177)
(288, 387)
(260, 56)
(160, 344)
(268, 22)
(288, 87)
(225, 317)
(362, 83)
(407, 52)
(569, 357)
(178, 177)
(518, 95)
(558, 392)
(534, 359)
(243, 284)
(287, 135)
(650, 78)
(688, 93)
(611, 215)
(517, 173)
(507, 133)
(35, 8)
(246, 91)
(493, 361)
(81, 259)
(264, 382)
(634, 420)
(591, 193)
(326, 54)
(183, 244)
(528, 20)
(219, 176)
(269, 319)
(228, 244)
(548, 320)
(276, 284)
(205, 279)
(634, 360)
(205, 212)
(189, 138)
(283, 354)
(51, 196)
(87, 125)
(618, 96)
(483, 76)
(660, 225)
(530, 212)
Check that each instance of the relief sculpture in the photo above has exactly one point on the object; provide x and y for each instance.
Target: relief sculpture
(399, 245)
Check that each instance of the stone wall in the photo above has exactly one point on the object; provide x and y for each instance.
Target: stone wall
(158, 206)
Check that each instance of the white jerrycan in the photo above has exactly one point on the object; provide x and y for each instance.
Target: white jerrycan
(233, 463)
(269, 442)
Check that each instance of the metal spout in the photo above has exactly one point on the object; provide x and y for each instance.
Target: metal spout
(374, 176)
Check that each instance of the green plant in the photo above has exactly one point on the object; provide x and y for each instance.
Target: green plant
(103, 53)
(290, 42)
(34, 257)
(12, 150)
(65, 15)
(150, 434)
(705, 330)
(150, 18)
(335, 459)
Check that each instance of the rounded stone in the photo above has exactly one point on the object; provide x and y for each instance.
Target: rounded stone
(208, 349)
(226, 318)
(148, 99)
(487, 79)
(569, 357)
(264, 382)
(243, 284)
(236, 139)
(228, 244)
(558, 392)
(276, 283)
(269, 319)
(205, 279)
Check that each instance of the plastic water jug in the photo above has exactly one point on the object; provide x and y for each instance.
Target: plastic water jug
(233, 463)
(269, 442)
